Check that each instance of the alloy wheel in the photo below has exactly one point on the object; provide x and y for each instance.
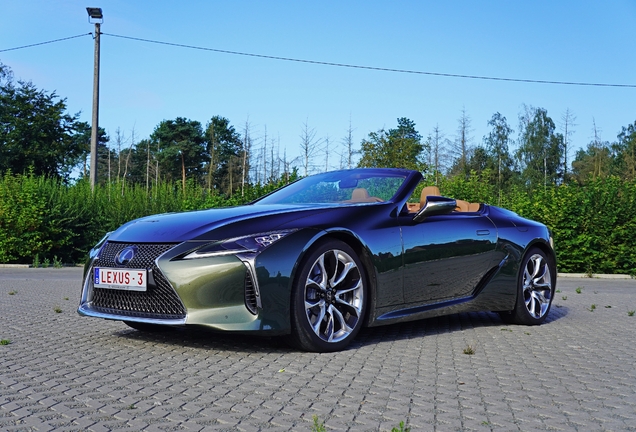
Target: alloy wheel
(334, 296)
(537, 286)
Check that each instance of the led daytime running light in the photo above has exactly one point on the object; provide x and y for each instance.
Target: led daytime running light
(254, 243)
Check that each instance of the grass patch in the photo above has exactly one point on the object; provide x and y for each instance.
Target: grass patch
(401, 428)
(318, 426)
(5, 342)
(57, 309)
(469, 350)
(579, 290)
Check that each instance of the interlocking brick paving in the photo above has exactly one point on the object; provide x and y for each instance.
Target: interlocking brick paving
(63, 372)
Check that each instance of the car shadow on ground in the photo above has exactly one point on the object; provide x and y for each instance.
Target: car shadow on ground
(201, 338)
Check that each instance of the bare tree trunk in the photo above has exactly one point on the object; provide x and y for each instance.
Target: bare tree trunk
(229, 169)
(212, 154)
(285, 167)
(265, 157)
(148, 166)
(119, 138)
(183, 173)
(326, 154)
(349, 145)
(109, 174)
(462, 142)
(157, 163)
(568, 120)
(246, 145)
(596, 157)
(308, 146)
(436, 152)
(132, 142)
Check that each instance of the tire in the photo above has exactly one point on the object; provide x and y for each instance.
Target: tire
(328, 298)
(149, 328)
(535, 289)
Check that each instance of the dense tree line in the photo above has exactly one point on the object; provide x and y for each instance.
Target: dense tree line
(38, 134)
(185, 164)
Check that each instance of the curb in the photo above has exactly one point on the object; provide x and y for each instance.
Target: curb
(594, 276)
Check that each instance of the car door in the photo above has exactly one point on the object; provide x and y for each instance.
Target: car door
(446, 256)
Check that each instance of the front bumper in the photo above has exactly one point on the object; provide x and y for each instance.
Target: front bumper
(216, 292)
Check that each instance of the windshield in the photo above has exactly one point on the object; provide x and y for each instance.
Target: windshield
(340, 187)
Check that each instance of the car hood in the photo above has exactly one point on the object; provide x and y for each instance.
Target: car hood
(212, 224)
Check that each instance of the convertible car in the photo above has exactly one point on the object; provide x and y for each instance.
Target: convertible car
(321, 257)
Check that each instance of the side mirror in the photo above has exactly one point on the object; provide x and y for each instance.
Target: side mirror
(435, 205)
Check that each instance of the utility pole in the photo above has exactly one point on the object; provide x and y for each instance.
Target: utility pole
(95, 16)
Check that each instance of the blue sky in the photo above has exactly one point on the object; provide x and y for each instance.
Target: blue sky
(143, 83)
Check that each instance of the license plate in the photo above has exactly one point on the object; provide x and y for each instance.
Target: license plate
(120, 279)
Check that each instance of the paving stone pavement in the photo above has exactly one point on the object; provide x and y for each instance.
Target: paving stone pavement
(63, 372)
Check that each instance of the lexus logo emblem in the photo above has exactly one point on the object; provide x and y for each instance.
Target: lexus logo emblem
(125, 255)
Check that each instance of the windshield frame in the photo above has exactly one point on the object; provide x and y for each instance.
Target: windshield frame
(292, 194)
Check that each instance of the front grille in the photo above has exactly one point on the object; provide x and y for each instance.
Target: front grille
(250, 293)
(159, 301)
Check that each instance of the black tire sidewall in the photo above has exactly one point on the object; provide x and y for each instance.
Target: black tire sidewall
(303, 335)
(521, 314)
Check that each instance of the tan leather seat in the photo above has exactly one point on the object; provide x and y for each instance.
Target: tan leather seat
(428, 191)
(462, 205)
(413, 207)
(473, 207)
(465, 206)
(361, 195)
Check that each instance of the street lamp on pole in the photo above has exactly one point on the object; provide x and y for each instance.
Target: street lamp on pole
(95, 16)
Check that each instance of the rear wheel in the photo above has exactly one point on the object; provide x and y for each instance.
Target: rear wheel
(328, 298)
(535, 290)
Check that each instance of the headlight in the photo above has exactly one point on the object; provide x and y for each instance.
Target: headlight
(93, 252)
(253, 243)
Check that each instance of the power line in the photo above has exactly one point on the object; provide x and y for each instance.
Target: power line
(345, 65)
(44, 43)
(449, 75)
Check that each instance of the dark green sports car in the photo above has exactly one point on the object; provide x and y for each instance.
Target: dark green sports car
(320, 258)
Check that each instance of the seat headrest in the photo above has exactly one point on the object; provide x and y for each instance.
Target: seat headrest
(428, 191)
(359, 194)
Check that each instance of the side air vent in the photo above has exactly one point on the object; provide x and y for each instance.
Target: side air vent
(250, 293)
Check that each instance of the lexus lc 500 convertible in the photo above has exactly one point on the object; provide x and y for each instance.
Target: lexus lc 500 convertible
(321, 257)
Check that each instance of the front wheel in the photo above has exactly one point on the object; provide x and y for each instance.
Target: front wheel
(328, 299)
(535, 289)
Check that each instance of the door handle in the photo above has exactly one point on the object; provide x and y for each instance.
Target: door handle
(483, 232)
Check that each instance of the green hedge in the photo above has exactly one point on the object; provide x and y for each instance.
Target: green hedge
(44, 218)
(594, 226)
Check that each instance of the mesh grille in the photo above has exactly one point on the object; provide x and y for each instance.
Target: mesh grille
(250, 293)
(159, 301)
